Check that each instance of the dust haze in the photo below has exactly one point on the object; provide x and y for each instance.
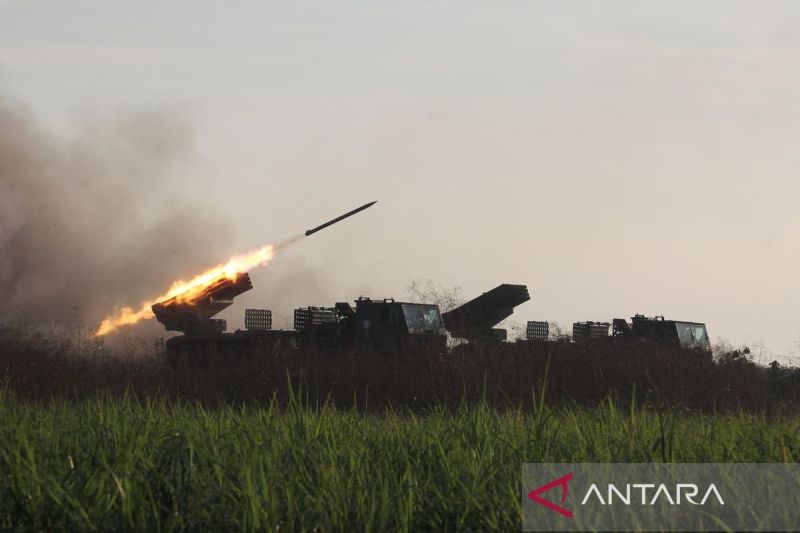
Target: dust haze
(91, 222)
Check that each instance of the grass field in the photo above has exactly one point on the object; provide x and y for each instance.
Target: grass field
(94, 440)
(117, 463)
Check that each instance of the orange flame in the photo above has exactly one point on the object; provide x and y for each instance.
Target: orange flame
(186, 290)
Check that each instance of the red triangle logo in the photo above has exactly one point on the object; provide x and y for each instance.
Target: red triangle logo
(560, 482)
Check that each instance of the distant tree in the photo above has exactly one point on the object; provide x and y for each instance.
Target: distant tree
(514, 328)
(428, 292)
(558, 332)
(725, 354)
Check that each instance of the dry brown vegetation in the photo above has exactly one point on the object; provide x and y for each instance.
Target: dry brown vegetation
(40, 364)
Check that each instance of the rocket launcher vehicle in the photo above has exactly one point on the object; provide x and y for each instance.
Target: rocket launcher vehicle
(193, 315)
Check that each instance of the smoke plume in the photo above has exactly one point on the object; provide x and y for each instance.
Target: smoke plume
(88, 222)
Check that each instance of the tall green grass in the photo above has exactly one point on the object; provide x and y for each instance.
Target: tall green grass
(123, 464)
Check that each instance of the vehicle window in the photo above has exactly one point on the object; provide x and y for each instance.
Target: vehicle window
(692, 335)
(700, 336)
(685, 336)
(423, 319)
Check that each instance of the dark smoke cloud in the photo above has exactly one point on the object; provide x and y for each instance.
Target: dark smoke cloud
(89, 222)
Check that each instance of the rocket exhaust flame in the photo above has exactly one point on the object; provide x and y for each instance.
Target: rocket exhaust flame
(186, 290)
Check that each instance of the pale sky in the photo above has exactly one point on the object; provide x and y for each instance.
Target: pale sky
(616, 157)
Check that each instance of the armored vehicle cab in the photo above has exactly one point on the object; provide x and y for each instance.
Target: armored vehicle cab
(666, 332)
(388, 316)
(378, 323)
